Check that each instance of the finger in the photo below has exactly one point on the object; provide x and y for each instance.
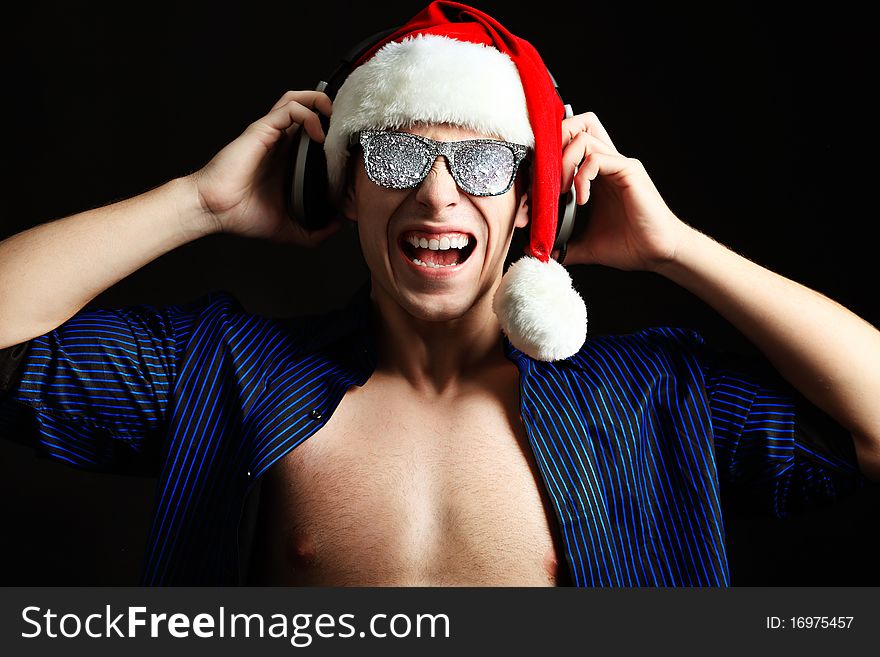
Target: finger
(604, 164)
(599, 130)
(586, 122)
(314, 99)
(278, 120)
(582, 187)
(581, 146)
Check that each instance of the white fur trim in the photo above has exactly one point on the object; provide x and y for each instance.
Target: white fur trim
(433, 79)
(540, 311)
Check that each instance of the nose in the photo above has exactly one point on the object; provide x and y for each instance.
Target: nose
(438, 189)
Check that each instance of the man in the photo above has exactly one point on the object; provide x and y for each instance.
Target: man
(421, 436)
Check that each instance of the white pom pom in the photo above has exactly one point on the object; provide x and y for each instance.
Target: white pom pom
(540, 311)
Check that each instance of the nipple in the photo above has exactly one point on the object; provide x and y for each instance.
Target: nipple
(303, 552)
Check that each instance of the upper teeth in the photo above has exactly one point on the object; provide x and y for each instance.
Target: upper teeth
(442, 244)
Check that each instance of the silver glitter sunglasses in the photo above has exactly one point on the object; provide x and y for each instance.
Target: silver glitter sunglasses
(401, 160)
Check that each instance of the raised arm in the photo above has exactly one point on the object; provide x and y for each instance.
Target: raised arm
(50, 271)
(829, 354)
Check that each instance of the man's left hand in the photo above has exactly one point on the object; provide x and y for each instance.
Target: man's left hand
(630, 226)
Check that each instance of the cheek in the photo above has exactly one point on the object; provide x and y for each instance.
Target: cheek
(372, 235)
(374, 212)
(500, 218)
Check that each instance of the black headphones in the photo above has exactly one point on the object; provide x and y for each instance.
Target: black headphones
(306, 185)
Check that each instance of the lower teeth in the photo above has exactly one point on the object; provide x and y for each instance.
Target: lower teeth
(432, 265)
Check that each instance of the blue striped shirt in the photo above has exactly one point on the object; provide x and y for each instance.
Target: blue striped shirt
(637, 437)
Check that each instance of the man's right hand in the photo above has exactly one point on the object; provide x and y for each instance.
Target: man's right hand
(242, 188)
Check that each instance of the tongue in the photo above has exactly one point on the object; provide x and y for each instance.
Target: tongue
(447, 257)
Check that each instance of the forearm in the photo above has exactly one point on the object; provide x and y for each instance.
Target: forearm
(50, 271)
(828, 353)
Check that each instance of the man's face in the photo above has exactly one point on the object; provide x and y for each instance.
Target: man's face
(391, 220)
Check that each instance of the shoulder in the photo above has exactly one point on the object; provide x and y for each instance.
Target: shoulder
(668, 348)
(654, 340)
(209, 317)
(221, 302)
(308, 330)
(224, 328)
(205, 308)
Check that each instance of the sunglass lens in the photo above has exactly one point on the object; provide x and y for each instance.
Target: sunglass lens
(396, 160)
(484, 168)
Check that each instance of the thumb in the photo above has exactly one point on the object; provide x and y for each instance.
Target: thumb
(331, 228)
(313, 238)
(579, 251)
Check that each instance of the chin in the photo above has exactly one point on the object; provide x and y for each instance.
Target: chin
(436, 308)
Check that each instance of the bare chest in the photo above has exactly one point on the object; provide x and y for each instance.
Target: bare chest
(392, 491)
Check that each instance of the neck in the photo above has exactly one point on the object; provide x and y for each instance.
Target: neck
(436, 358)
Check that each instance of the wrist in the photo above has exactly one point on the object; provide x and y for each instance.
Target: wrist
(689, 242)
(195, 219)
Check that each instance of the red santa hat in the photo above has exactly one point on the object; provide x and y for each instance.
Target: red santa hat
(452, 63)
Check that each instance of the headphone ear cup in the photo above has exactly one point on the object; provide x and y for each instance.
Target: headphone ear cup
(565, 219)
(306, 192)
(306, 181)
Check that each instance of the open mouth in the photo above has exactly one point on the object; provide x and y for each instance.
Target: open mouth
(437, 251)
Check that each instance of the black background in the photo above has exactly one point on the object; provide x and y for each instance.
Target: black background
(754, 122)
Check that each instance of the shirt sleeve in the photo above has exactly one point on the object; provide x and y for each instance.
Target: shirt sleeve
(777, 453)
(94, 392)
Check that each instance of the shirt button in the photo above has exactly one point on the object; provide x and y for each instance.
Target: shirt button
(248, 473)
(315, 414)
